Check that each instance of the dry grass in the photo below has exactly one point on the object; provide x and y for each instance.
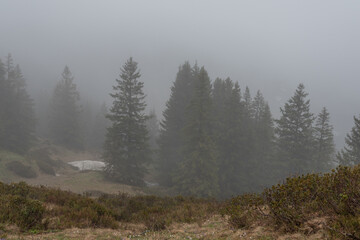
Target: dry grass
(67, 177)
(80, 182)
(216, 227)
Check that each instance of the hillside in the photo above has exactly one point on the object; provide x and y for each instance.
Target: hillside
(48, 166)
(311, 206)
(43, 213)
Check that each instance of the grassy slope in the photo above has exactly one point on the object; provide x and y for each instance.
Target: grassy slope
(6, 157)
(294, 200)
(68, 178)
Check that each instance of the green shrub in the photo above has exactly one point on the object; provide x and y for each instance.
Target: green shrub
(158, 212)
(21, 170)
(244, 210)
(339, 197)
(25, 213)
(155, 223)
(293, 203)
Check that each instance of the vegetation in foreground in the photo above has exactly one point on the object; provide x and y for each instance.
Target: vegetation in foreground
(41, 208)
(306, 205)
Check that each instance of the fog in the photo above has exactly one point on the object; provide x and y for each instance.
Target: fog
(266, 45)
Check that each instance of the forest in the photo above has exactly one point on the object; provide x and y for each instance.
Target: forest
(214, 139)
(220, 159)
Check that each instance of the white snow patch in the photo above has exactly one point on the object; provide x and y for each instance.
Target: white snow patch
(88, 165)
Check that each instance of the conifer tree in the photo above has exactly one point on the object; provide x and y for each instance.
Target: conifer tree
(264, 127)
(171, 138)
(126, 147)
(248, 143)
(65, 112)
(248, 105)
(350, 154)
(17, 120)
(264, 142)
(295, 133)
(324, 142)
(6, 91)
(197, 173)
(228, 137)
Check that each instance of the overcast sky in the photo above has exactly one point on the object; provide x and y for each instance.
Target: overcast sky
(268, 45)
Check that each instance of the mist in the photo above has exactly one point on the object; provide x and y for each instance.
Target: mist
(266, 45)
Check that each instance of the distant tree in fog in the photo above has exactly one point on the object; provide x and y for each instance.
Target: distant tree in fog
(324, 142)
(126, 148)
(64, 127)
(171, 135)
(17, 120)
(295, 134)
(264, 158)
(228, 136)
(198, 171)
(350, 154)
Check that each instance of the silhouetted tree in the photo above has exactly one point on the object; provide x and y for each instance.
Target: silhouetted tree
(126, 146)
(17, 120)
(171, 136)
(295, 133)
(228, 136)
(350, 154)
(197, 173)
(324, 142)
(64, 113)
(264, 144)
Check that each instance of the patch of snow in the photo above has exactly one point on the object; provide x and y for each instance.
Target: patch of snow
(88, 165)
(151, 184)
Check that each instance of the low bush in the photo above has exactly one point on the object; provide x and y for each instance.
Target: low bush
(292, 205)
(23, 205)
(244, 210)
(24, 212)
(158, 212)
(21, 170)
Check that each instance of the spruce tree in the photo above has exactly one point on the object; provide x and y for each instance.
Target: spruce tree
(295, 133)
(197, 173)
(264, 143)
(17, 120)
(248, 143)
(126, 147)
(65, 112)
(171, 138)
(263, 128)
(5, 101)
(24, 120)
(228, 136)
(324, 142)
(350, 154)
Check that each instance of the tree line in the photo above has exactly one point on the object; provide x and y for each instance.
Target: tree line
(227, 142)
(214, 138)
